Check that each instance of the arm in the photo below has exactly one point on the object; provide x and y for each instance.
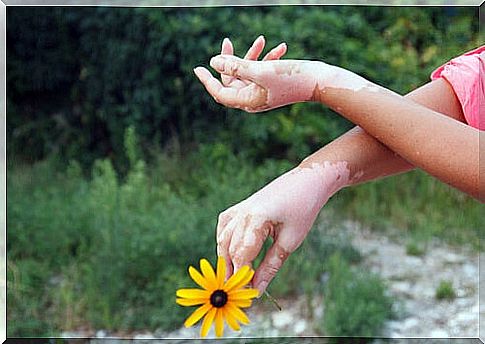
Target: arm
(442, 146)
(286, 208)
(368, 158)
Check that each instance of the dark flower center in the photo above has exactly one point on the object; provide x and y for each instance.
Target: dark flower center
(218, 298)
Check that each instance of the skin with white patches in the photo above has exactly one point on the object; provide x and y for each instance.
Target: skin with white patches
(284, 210)
(278, 83)
(367, 158)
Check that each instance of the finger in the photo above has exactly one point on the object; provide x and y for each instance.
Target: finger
(227, 49)
(247, 240)
(237, 67)
(224, 95)
(247, 98)
(276, 53)
(256, 48)
(223, 239)
(271, 264)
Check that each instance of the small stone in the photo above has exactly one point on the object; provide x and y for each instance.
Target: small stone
(470, 270)
(394, 325)
(439, 333)
(410, 323)
(467, 317)
(318, 311)
(453, 258)
(413, 261)
(401, 288)
(101, 334)
(282, 319)
(300, 326)
(143, 336)
(428, 292)
(69, 334)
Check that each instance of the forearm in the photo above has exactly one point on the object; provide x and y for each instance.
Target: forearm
(368, 158)
(444, 147)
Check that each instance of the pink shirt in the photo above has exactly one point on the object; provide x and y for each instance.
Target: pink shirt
(466, 75)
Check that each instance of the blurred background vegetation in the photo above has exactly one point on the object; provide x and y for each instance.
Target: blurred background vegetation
(119, 162)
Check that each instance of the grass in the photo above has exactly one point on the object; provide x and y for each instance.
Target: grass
(107, 251)
(445, 291)
(418, 207)
(99, 250)
(355, 302)
(415, 249)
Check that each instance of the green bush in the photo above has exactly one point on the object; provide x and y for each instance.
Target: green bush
(445, 291)
(414, 249)
(355, 302)
(109, 251)
(78, 77)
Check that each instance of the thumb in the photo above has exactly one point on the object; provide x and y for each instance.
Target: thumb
(271, 264)
(235, 66)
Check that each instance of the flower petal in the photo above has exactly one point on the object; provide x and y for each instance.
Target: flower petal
(208, 273)
(236, 279)
(237, 313)
(197, 314)
(231, 320)
(219, 323)
(243, 294)
(221, 271)
(242, 303)
(206, 324)
(190, 302)
(198, 278)
(193, 293)
(247, 278)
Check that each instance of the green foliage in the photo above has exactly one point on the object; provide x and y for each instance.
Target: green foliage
(414, 248)
(78, 77)
(445, 291)
(355, 302)
(319, 246)
(110, 251)
(419, 206)
(105, 241)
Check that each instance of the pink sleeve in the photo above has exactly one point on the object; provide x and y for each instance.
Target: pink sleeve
(466, 75)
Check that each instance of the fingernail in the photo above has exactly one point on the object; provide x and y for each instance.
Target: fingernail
(197, 70)
(225, 40)
(217, 62)
(260, 37)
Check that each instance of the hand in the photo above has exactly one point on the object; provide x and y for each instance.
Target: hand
(254, 85)
(252, 54)
(285, 210)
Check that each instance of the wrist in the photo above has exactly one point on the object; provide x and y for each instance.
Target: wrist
(327, 76)
(329, 177)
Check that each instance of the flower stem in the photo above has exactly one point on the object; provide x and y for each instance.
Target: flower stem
(273, 300)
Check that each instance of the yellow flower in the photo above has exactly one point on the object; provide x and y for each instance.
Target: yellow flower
(220, 300)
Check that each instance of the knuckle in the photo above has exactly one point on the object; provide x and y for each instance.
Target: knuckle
(221, 217)
(271, 269)
(234, 68)
(220, 241)
(233, 252)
